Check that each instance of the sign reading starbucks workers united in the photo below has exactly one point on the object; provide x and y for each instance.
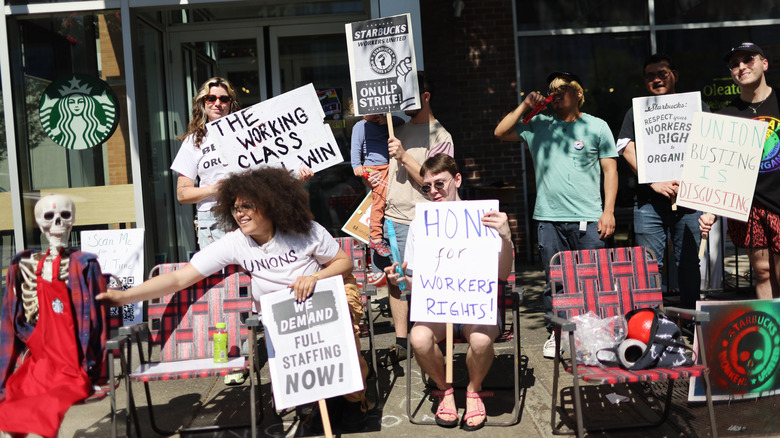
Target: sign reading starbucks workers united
(79, 111)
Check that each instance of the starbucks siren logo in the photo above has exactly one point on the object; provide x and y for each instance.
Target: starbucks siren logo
(78, 111)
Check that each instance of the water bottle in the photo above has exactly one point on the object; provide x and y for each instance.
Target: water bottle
(220, 341)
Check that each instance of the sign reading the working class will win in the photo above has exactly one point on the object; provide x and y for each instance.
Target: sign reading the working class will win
(721, 164)
(662, 125)
(455, 264)
(311, 346)
(286, 130)
(382, 65)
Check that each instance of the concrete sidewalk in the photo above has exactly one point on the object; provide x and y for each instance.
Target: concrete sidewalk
(198, 402)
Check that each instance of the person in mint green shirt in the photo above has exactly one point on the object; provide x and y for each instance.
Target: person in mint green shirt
(571, 151)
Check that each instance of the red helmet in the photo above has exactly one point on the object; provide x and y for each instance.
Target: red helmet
(640, 325)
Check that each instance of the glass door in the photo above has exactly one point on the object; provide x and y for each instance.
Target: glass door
(198, 55)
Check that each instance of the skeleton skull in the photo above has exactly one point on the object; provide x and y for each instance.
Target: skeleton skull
(55, 215)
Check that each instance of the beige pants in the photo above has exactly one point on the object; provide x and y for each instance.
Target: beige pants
(355, 302)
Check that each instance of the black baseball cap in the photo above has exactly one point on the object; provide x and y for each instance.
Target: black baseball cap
(567, 75)
(744, 47)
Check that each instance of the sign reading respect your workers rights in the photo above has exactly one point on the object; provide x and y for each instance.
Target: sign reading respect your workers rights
(721, 165)
(286, 130)
(311, 347)
(455, 272)
(662, 126)
(382, 65)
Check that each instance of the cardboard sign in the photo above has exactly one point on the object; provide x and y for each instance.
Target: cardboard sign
(721, 165)
(121, 253)
(742, 345)
(662, 126)
(359, 223)
(455, 276)
(382, 65)
(286, 130)
(311, 346)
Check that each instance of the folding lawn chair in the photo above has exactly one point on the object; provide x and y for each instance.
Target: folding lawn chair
(611, 282)
(509, 301)
(182, 325)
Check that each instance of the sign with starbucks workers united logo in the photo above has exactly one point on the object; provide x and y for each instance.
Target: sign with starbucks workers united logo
(79, 111)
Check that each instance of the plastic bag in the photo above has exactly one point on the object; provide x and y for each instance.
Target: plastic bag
(596, 339)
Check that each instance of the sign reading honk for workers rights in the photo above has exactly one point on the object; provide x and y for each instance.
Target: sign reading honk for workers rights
(382, 65)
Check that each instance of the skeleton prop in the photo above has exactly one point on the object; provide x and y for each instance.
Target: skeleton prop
(52, 326)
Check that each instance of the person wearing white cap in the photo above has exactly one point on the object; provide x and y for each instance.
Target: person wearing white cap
(570, 150)
(760, 235)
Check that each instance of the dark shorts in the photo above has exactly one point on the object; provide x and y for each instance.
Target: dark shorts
(762, 230)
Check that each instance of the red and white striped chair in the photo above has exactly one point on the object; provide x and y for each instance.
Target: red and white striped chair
(612, 281)
(182, 325)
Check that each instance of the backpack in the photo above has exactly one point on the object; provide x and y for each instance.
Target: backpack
(665, 348)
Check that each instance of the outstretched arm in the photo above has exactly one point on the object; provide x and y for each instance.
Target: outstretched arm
(155, 287)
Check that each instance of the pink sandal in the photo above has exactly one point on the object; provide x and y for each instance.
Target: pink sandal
(443, 410)
(477, 412)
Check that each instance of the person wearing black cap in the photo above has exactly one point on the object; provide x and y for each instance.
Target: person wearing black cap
(656, 223)
(570, 150)
(760, 235)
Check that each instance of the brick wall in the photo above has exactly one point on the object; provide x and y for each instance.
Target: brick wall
(112, 71)
(471, 61)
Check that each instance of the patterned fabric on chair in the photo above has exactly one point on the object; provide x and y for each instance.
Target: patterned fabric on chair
(609, 282)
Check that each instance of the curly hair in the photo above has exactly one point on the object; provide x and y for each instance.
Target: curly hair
(197, 125)
(278, 196)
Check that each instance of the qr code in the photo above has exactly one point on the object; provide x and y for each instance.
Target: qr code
(126, 282)
(128, 312)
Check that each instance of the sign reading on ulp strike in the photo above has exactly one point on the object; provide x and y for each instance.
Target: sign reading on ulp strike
(455, 272)
(382, 65)
(311, 347)
(286, 130)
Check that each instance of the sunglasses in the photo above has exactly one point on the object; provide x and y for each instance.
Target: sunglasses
(426, 188)
(560, 90)
(243, 208)
(660, 74)
(747, 60)
(210, 98)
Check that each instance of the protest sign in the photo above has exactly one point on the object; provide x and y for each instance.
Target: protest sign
(742, 345)
(121, 253)
(382, 65)
(662, 126)
(721, 165)
(286, 130)
(358, 225)
(455, 272)
(311, 346)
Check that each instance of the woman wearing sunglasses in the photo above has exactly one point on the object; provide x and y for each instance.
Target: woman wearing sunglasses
(199, 158)
(275, 239)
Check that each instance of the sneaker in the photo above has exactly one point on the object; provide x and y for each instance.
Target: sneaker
(394, 355)
(548, 350)
(378, 279)
(380, 248)
(236, 379)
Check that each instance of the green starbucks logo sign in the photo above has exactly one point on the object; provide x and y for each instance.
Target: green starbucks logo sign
(78, 111)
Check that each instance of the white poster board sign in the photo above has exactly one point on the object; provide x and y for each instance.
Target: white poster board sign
(662, 126)
(455, 275)
(382, 65)
(359, 223)
(311, 346)
(721, 165)
(121, 253)
(286, 130)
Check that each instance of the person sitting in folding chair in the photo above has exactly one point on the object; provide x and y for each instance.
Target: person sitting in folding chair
(275, 239)
(441, 181)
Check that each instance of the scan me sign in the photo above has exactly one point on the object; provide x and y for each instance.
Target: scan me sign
(382, 65)
(286, 130)
(455, 265)
(311, 346)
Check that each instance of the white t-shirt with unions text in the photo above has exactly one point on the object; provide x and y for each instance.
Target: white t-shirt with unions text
(273, 266)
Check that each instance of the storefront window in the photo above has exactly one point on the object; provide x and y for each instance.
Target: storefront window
(7, 247)
(72, 136)
(558, 14)
(269, 10)
(675, 11)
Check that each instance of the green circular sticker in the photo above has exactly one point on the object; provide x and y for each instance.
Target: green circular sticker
(79, 111)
